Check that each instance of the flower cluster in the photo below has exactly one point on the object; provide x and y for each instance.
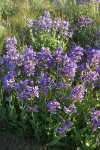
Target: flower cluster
(65, 126)
(26, 90)
(47, 70)
(70, 109)
(93, 57)
(53, 105)
(30, 61)
(95, 118)
(90, 78)
(77, 92)
(45, 82)
(76, 53)
(45, 23)
(82, 21)
(44, 57)
(8, 81)
(98, 34)
(12, 57)
(52, 83)
(34, 108)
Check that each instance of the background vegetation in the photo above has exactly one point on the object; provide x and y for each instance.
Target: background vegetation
(13, 15)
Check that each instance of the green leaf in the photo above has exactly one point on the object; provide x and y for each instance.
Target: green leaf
(54, 142)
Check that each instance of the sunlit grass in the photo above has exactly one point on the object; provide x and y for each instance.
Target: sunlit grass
(13, 13)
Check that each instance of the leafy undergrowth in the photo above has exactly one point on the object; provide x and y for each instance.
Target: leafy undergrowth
(10, 141)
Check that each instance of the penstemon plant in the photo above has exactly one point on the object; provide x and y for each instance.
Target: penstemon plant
(46, 32)
(49, 93)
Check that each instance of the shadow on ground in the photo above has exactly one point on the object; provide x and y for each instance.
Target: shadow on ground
(9, 141)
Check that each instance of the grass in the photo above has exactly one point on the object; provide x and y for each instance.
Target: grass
(13, 14)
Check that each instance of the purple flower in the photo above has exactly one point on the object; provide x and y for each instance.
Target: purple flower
(1, 60)
(98, 33)
(45, 21)
(65, 126)
(93, 57)
(47, 14)
(77, 93)
(82, 21)
(70, 109)
(67, 34)
(98, 68)
(12, 57)
(36, 107)
(66, 110)
(90, 78)
(44, 58)
(53, 105)
(45, 90)
(26, 90)
(35, 91)
(7, 98)
(45, 79)
(88, 21)
(76, 53)
(95, 118)
(84, 67)
(28, 107)
(65, 25)
(29, 61)
(11, 42)
(57, 54)
(68, 71)
(8, 81)
(56, 23)
(33, 108)
(29, 23)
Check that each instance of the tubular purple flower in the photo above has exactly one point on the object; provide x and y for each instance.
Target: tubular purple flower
(11, 41)
(53, 105)
(93, 57)
(77, 93)
(68, 71)
(45, 79)
(36, 107)
(67, 34)
(26, 90)
(56, 23)
(12, 57)
(65, 126)
(33, 108)
(45, 21)
(8, 81)
(98, 34)
(70, 109)
(1, 60)
(90, 78)
(76, 53)
(82, 21)
(66, 110)
(95, 119)
(29, 61)
(65, 25)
